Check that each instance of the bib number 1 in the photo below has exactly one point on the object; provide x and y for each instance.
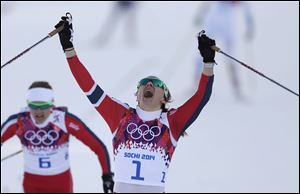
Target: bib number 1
(138, 172)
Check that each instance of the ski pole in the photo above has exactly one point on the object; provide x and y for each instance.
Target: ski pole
(217, 49)
(28, 49)
(11, 155)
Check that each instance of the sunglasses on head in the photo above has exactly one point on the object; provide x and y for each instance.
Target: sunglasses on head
(40, 105)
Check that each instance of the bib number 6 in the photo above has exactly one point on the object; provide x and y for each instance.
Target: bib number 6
(44, 162)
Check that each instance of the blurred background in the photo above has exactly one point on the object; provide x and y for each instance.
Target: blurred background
(247, 137)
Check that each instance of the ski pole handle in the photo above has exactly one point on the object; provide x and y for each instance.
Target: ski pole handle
(57, 30)
(215, 48)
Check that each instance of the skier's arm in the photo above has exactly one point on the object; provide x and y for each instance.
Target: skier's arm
(78, 129)
(208, 71)
(185, 115)
(110, 109)
(9, 128)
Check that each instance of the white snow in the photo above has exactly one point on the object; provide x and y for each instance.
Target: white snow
(250, 146)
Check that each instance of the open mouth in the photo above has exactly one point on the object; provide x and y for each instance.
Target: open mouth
(148, 94)
(39, 116)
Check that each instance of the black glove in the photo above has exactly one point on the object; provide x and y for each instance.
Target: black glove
(108, 183)
(204, 44)
(66, 35)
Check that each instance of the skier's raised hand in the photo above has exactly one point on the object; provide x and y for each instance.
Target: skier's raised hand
(66, 35)
(204, 46)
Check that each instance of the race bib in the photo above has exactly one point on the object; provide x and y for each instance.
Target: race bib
(141, 166)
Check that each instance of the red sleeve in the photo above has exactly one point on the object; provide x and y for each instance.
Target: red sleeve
(9, 128)
(78, 129)
(109, 108)
(180, 119)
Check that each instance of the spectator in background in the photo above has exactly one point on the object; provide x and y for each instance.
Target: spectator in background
(219, 19)
(122, 10)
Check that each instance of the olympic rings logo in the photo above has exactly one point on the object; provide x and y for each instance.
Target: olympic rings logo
(144, 131)
(41, 136)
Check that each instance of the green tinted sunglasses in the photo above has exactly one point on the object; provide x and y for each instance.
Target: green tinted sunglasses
(156, 82)
(40, 105)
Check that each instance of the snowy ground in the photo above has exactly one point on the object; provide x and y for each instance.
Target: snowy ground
(249, 146)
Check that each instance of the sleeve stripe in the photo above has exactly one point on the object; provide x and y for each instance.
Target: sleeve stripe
(204, 100)
(10, 121)
(96, 95)
(100, 100)
(91, 90)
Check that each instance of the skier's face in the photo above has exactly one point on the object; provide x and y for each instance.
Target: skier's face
(150, 97)
(40, 111)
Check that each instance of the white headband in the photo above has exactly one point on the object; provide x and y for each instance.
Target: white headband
(40, 95)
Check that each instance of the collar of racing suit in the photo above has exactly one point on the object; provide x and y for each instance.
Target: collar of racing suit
(148, 116)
